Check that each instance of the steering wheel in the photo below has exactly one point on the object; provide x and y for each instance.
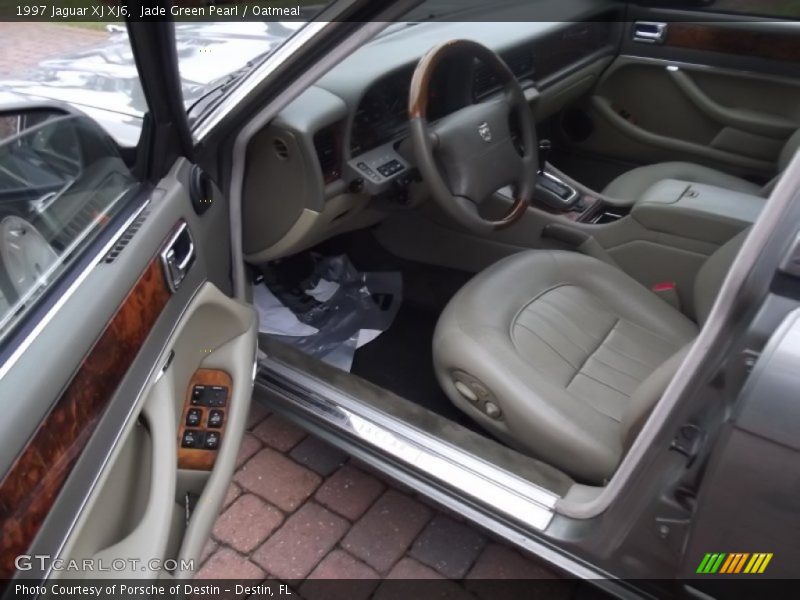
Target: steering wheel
(468, 155)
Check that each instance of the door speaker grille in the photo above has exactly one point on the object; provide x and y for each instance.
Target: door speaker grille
(126, 237)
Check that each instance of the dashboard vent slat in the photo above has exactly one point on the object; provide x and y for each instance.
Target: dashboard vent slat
(281, 149)
(485, 82)
(327, 144)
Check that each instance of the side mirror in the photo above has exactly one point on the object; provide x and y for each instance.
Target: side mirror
(61, 177)
(16, 117)
(43, 147)
(40, 152)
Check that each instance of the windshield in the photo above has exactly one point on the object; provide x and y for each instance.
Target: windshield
(91, 65)
(213, 54)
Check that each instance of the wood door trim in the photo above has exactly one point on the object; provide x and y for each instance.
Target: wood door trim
(740, 42)
(30, 487)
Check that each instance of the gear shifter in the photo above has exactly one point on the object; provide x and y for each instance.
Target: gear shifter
(544, 151)
(550, 190)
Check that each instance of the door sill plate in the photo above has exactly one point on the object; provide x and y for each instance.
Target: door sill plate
(415, 450)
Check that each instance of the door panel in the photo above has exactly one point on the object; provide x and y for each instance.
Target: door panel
(150, 535)
(725, 94)
(95, 383)
(37, 475)
(756, 454)
(216, 335)
(120, 346)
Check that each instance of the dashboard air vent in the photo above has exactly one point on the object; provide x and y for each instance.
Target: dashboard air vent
(327, 143)
(281, 149)
(486, 82)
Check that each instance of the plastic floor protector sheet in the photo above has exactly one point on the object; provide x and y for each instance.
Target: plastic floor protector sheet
(340, 310)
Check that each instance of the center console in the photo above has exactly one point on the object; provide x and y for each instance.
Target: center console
(554, 192)
(559, 196)
(682, 208)
(696, 211)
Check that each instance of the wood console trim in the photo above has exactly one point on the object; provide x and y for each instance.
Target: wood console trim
(194, 458)
(592, 206)
(740, 42)
(30, 487)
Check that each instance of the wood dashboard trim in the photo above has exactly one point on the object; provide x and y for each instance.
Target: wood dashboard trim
(740, 42)
(32, 484)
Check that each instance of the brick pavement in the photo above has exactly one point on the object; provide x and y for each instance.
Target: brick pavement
(24, 45)
(301, 510)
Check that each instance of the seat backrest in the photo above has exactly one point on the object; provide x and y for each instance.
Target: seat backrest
(709, 278)
(789, 150)
(646, 395)
(706, 288)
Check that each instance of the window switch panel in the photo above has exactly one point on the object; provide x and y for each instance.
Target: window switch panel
(193, 417)
(209, 395)
(192, 439)
(212, 440)
(215, 418)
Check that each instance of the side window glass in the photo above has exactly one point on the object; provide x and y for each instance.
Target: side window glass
(61, 180)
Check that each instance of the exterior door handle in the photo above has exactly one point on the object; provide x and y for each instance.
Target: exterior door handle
(649, 32)
(177, 256)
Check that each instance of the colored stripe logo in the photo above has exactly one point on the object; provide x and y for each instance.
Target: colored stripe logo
(734, 563)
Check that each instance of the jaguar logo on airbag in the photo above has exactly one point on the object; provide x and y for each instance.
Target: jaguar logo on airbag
(485, 132)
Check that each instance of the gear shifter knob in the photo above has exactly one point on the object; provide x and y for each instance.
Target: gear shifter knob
(544, 151)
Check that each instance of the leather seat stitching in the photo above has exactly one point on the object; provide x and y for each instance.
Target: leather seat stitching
(523, 308)
(653, 333)
(604, 384)
(534, 299)
(537, 297)
(605, 364)
(547, 302)
(578, 305)
(585, 360)
(546, 343)
(638, 360)
(556, 325)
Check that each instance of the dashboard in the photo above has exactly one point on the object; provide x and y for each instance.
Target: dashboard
(349, 127)
(382, 114)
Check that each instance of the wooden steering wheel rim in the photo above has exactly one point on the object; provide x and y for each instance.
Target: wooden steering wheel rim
(419, 95)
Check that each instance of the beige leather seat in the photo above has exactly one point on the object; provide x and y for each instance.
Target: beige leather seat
(632, 185)
(571, 351)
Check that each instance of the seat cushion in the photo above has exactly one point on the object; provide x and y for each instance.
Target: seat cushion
(580, 343)
(632, 185)
(561, 341)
